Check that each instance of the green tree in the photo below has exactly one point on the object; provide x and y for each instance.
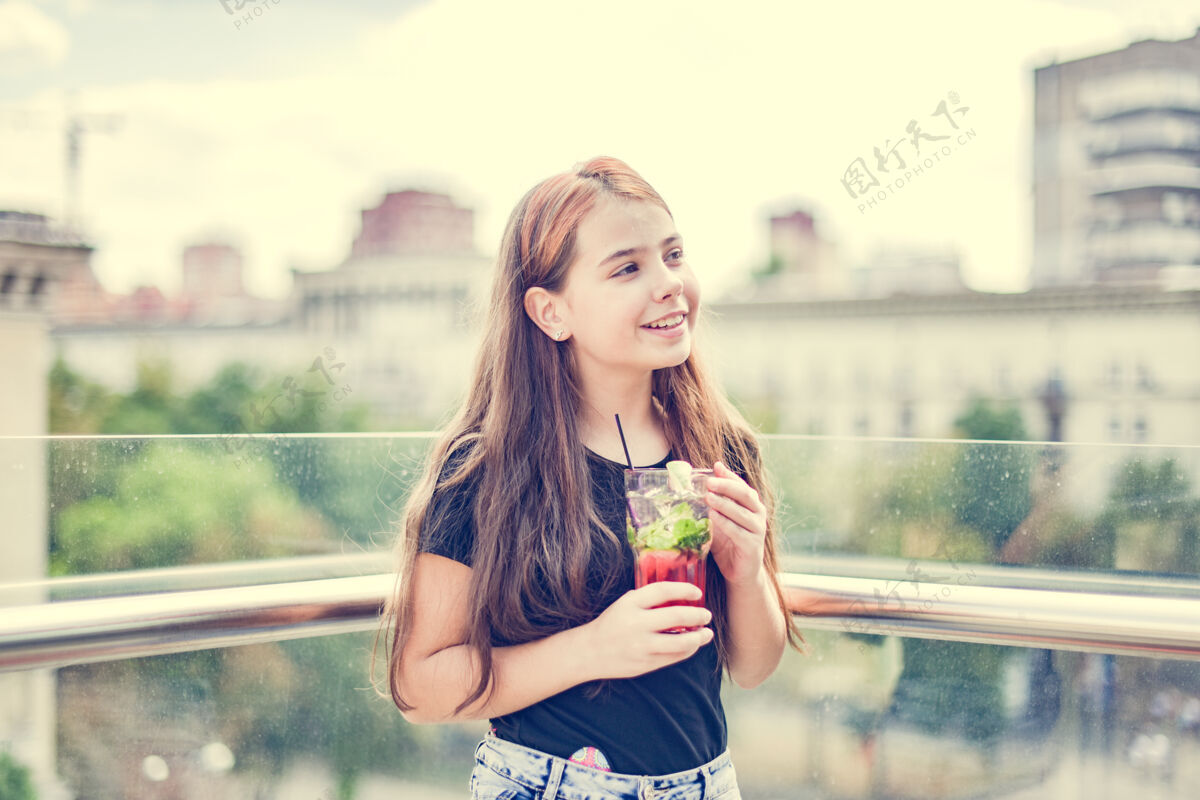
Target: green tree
(220, 405)
(951, 686)
(15, 783)
(77, 405)
(136, 503)
(1151, 520)
(345, 722)
(151, 408)
(774, 266)
(1146, 490)
(175, 505)
(238, 399)
(992, 482)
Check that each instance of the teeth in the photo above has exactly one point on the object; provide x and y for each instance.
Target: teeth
(669, 322)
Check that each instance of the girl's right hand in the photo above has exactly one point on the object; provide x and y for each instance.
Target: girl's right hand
(627, 639)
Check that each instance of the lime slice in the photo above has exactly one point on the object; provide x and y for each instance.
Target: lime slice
(679, 476)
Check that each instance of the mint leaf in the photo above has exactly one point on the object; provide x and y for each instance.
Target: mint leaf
(691, 534)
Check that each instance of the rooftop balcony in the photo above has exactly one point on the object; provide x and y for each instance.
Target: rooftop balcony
(1115, 178)
(1017, 620)
(1138, 92)
(1147, 133)
(1145, 242)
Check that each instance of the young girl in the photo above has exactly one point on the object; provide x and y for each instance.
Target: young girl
(514, 600)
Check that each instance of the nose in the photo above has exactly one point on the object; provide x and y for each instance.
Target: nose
(669, 285)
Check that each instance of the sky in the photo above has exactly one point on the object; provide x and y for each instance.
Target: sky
(274, 133)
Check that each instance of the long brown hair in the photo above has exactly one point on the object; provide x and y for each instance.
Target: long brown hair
(517, 439)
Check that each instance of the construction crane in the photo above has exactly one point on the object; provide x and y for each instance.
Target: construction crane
(76, 124)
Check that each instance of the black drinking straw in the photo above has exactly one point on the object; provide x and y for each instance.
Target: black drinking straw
(624, 446)
(629, 461)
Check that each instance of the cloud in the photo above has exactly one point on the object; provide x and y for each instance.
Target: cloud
(29, 39)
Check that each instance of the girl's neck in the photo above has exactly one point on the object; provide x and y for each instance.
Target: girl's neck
(640, 421)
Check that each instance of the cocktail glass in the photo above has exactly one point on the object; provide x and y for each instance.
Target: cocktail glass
(667, 525)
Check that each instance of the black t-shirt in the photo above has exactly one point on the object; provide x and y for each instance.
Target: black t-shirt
(661, 722)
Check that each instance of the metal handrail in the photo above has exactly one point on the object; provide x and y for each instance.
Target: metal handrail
(48, 635)
(194, 576)
(111, 628)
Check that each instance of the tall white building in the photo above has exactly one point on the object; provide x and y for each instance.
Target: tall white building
(1116, 166)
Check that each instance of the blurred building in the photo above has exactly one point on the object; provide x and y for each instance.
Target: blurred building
(802, 261)
(1108, 335)
(804, 264)
(34, 256)
(213, 290)
(42, 260)
(109, 353)
(1116, 166)
(212, 271)
(397, 313)
(1123, 358)
(412, 222)
(207, 325)
(899, 270)
(404, 303)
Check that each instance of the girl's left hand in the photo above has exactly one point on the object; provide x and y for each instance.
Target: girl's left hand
(738, 521)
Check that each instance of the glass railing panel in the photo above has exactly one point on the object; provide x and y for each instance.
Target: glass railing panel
(295, 719)
(286, 507)
(858, 717)
(864, 714)
(1072, 512)
(110, 505)
(883, 717)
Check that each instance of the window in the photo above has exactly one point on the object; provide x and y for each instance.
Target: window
(1113, 374)
(1003, 379)
(1140, 431)
(1145, 380)
(862, 424)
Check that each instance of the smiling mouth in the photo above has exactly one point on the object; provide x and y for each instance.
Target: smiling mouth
(666, 322)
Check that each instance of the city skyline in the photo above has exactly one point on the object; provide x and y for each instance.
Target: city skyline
(276, 133)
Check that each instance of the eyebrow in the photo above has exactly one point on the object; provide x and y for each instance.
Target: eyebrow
(672, 239)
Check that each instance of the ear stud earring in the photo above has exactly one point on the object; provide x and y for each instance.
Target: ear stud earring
(558, 334)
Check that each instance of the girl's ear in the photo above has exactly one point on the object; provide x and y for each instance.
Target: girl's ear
(540, 306)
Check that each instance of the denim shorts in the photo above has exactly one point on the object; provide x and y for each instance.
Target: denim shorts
(507, 771)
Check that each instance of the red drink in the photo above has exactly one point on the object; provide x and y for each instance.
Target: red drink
(667, 525)
(671, 565)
